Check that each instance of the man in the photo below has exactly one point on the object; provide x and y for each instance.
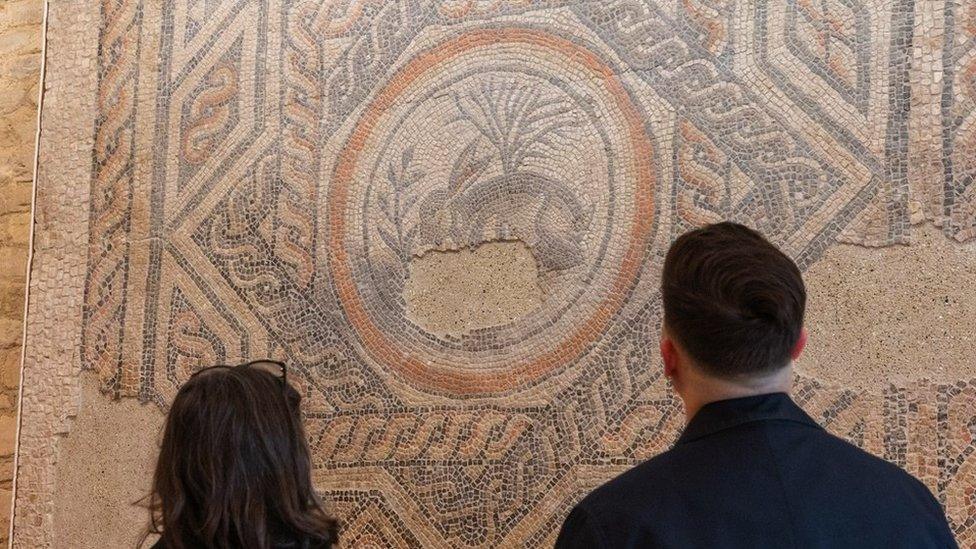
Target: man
(751, 468)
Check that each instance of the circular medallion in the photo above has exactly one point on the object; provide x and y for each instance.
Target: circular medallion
(497, 134)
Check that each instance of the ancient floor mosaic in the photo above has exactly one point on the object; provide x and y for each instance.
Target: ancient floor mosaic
(256, 177)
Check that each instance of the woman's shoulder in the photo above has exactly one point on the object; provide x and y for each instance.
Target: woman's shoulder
(278, 544)
(306, 544)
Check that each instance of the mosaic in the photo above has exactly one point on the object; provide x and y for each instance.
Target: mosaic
(260, 186)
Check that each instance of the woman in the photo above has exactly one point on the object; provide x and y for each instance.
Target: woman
(234, 468)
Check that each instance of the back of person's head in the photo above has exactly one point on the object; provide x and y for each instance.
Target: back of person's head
(733, 301)
(234, 469)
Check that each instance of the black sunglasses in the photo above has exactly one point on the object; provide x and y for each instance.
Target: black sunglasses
(273, 367)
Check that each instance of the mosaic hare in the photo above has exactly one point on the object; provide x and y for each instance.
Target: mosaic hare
(519, 202)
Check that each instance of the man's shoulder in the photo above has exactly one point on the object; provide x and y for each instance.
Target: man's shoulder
(673, 474)
(863, 466)
(642, 502)
(759, 465)
(873, 492)
(646, 484)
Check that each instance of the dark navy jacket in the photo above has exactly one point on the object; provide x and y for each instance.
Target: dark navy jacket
(757, 472)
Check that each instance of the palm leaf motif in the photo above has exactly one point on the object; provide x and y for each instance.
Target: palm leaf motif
(466, 168)
(520, 122)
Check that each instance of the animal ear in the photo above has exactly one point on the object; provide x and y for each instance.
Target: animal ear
(587, 218)
(466, 168)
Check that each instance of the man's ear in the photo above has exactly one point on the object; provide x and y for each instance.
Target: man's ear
(669, 354)
(800, 344)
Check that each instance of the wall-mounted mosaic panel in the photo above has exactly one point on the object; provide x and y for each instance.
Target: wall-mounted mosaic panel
(260, 174)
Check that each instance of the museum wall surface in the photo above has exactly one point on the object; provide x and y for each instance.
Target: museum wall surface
(20, 63)
(449, 217)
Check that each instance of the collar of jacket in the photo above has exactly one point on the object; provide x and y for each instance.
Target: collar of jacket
(725, 414)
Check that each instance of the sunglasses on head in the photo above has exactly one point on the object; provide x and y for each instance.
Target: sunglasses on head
(273, 367)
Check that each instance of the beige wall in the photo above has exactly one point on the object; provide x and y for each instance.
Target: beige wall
(20, 57)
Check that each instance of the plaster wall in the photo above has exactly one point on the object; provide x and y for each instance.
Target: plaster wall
(449, 219)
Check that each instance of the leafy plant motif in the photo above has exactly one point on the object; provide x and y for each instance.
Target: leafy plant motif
(397, 204)
(519, 121)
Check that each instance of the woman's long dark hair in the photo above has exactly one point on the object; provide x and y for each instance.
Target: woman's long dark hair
(234, 469)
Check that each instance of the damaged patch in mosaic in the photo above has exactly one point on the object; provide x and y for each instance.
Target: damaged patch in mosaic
(456, 292)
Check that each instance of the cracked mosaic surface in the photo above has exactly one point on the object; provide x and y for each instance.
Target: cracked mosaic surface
(262, 173)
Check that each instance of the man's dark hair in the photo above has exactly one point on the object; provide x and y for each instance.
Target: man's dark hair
(732, 300)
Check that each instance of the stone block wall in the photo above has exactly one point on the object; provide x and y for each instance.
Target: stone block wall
(20, 60)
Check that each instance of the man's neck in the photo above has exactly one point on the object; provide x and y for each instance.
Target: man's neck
(705, 389)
